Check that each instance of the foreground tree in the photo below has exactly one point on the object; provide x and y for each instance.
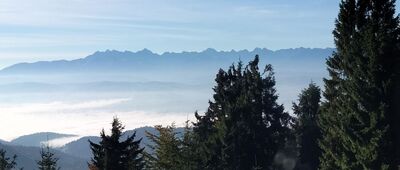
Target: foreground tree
(48, 161)
(172, 149)
(166, 149)
(7, 163)
(360, 116)
(244, 127)
(113, 154)
(307, 130)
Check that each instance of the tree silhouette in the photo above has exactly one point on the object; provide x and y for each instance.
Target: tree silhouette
(113, 154)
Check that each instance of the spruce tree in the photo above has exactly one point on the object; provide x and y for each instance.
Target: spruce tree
(209, 128)
(48, 161)
(359, 117)
(307, 130)
(113, 154)
(256, 126)
(244, 127)
(171, 149)
(166, 148)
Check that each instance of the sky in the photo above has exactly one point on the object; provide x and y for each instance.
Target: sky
(69, 29)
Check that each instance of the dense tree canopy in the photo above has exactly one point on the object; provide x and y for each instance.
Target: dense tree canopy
(360, 116)
(113, 154)
(307, 131)
(171, 149)
(244, 127)
(166, 148)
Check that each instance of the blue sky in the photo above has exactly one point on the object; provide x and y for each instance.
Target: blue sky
(32, 30)
(68, 29)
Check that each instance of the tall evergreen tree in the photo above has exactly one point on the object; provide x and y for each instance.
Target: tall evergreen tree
(171, 149)
(256, 125)
(166, 149)
(359, 118)
(307, 130)
(48, 161)
(7, 163)
(113, 154)
(208, 129)
(244, 127)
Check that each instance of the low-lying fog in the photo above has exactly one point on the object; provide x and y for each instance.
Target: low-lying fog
(83, 104)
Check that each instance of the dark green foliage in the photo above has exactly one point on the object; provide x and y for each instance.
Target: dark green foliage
(171, 152)
(360, 116)
(48, 162)
(307, 130)
(244, 127)
(7, 163)
(113, 154)
(189, 159)
(166, 149)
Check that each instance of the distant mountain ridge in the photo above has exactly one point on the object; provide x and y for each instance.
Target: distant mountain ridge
(73, 155)
(159, 83)
(37, 139)
(80, 148)
(27, 156)
(112, 60)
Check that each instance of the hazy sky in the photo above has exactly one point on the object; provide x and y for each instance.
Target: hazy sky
(69, 29)
(48, 29)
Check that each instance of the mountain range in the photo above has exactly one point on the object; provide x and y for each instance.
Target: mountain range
(155, 83)
(145, 66)
(115, 61)
(125, 71)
